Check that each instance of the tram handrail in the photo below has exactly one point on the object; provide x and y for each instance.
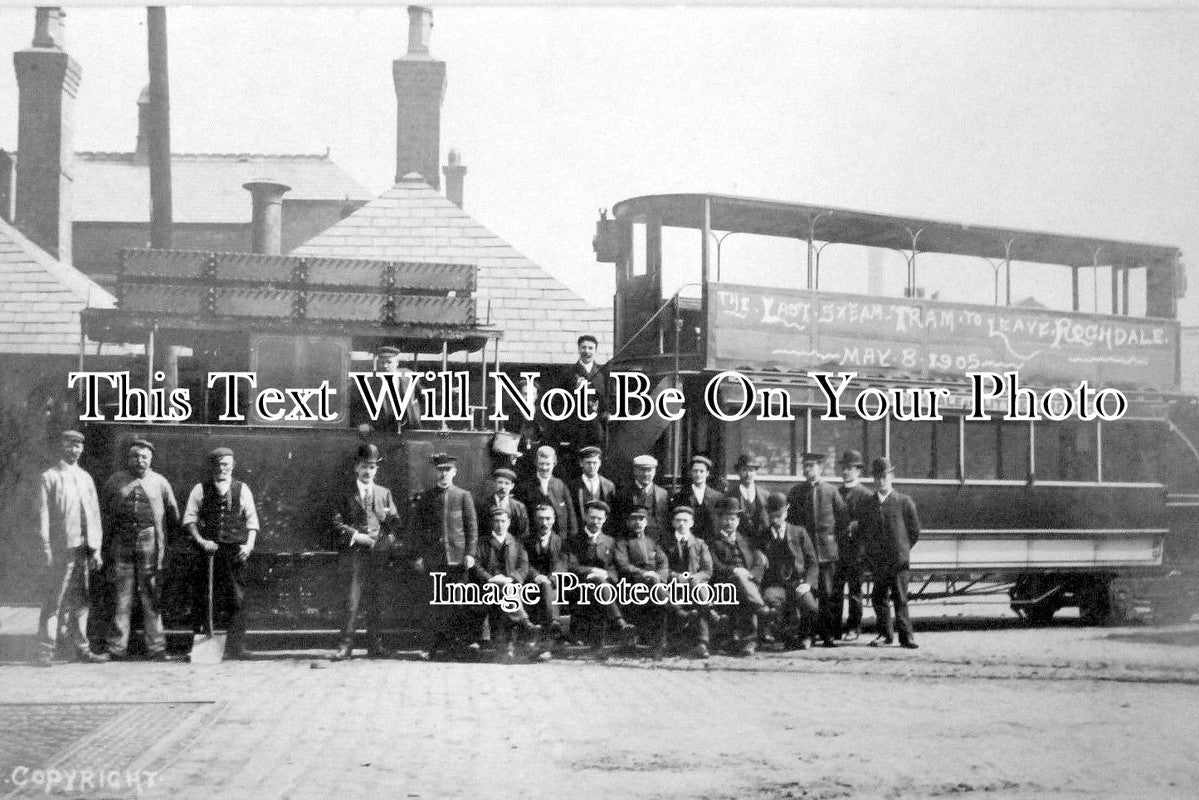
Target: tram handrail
(674, 298)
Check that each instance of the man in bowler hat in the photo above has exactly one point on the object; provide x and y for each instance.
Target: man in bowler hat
(889, 528)
(818, 507)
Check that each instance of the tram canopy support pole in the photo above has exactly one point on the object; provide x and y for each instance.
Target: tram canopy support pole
(1074, 288)
(150, 364)
(1115, 290)
(1007, 270)
(1125, 272)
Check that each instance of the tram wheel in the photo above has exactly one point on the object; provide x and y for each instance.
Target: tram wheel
(1039, 614)
(1099, 605)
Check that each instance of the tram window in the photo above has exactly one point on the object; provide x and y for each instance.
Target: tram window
(1066, 451)
(1132, 452)
(1013, 450)
(834, 437)
(771, 441)
(945, 449)
(996, 449)
(925, 449)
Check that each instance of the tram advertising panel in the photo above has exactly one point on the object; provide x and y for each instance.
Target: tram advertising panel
(754, 328)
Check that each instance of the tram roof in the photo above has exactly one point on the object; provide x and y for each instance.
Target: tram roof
(846, 226)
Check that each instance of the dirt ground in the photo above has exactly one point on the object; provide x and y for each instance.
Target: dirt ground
(985, 708)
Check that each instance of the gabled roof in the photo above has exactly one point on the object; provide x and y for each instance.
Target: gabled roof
(539, 316)
(205, 187)
(41, 297)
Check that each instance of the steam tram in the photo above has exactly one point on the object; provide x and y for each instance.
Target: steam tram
(1098, 515)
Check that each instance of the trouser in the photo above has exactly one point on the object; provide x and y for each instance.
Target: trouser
(798, 611)
(749, 603)
(650, 618)
(500, 621)
(593, 614)
(364, 571)
(446, 621)
(848, 586)
(697, 626)
(547, 598)
(828, 622)
(891, 585)
(134, 567)
(66, 601)
(228, 591)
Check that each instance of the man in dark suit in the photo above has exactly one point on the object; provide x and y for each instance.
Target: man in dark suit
(847, 584)
(689, 561)
(818, 507)
(700, 496)
(503, 480)
(639, 560)
(446, 533)
(578, 432)
(547, 557)
(790, 574)
(387, 363)
(751, 496)
(361, 513)
(889, 528)
(590, 485)
(543, 486)
(644, 492)
(503, 561)
(736, 560)
(589, 557)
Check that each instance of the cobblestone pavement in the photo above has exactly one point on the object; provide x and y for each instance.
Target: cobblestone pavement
(1007, 712)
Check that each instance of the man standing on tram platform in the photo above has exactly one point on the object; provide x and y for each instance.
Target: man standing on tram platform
(223, 522)
(818, 507)
(847, 584)
(69, 525)
(139, 508)
(889, 528)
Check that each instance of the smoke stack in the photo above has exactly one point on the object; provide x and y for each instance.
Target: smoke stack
(455, 175)
(420, 88)
(267, 222)
(48, 80)
(158, 131)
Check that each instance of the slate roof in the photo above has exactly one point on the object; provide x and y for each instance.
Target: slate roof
(539, 316)
(205, 187)
(40, 299)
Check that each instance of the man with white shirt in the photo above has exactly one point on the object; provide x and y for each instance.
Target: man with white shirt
(644, 492)
(590, 485)
(223, 522)
(689, 561)
(889, 528)
(589, 555)
(544, 486)
(751, 496)
(792, 570)
(504, 481)
(69, 525)
(701, 497)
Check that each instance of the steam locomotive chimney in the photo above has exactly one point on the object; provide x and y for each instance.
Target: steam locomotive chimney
(158, 134)
(267, 222)
(455, 176)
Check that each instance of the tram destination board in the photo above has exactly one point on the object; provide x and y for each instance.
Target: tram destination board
(927, 338)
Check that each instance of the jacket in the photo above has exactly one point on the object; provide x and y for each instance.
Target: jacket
(705, 518)
(580, 496)
(821, 511)
(849, 540)
(518, 514)
(654, 498)
(351, 516)
(558, 496)
(691, 556)
(62, 514)
(505, 557)
(754, 521)
(888, 530)
(724, 557)
(634, 555)
(546, 560)
(582, 556)
(162, 505)
(791, 561)
(445, 527)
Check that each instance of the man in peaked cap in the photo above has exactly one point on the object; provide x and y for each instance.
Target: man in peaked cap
(818, 507)
(751, 496)
(590, 485)
(847, 583)
(503, 481)
(503, 560)
(643, 491)
(700, 496)
(889, 528)
(364, 519)
(71, 536)
(689, 561)
(388, 363)
(589, 555)
(223, 522)
(639, 560)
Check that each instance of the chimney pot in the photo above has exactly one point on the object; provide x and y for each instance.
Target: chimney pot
(267, 221)
(455, 176)
(420, 30)
(48, 28)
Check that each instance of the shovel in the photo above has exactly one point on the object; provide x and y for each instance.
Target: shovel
(210, 647)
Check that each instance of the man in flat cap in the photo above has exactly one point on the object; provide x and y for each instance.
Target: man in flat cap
(889, 528)
(69, 526)
(818, 507)
(847, 584)
(639, 560)
(446, 532)
(223, 522)
(751, 496)
(547, 557)
(589, 555)
(590, 485)
(689, 561)
(578, 432)
(503, 481)
(503, 561)
(364, 520)
(544, 486)
(138, 509)
(644, 492)
(736, 560)
(700, 496)
(387, 363)
(791, 573)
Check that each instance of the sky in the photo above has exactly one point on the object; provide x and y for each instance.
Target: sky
(1081, 122)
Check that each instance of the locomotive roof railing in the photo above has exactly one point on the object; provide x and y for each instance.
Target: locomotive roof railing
(830, 224)
(193, 292)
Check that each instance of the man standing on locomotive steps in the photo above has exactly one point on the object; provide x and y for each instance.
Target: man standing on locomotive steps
(138, 509)
(818, 507)
(69, 524)
(223, 522)
(363, 517)
(889, 529)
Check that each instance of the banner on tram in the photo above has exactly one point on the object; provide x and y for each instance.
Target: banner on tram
(754, 328)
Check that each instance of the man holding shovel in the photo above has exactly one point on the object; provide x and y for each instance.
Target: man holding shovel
(222, 520)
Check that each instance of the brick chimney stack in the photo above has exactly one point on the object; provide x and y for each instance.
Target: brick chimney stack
(455, 176)
(48, 80)
(420, 88)
(267, 220)
(141, 153)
